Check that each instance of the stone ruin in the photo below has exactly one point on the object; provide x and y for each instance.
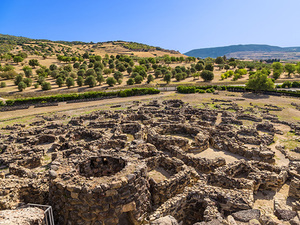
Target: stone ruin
(143, 165)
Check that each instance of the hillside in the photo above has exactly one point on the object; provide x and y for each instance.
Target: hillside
(250, 51)
(9, 43)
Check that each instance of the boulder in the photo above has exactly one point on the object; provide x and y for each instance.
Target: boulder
(167, 220)
(285, 214)
(247, 215)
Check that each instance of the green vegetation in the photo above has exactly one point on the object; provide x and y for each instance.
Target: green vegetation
(86, 95)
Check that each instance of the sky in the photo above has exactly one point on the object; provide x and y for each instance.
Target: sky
(180, 25)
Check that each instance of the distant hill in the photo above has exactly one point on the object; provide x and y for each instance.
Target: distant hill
(10, 43)
(248, 51)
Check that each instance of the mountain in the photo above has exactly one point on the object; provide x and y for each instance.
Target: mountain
(251, 51)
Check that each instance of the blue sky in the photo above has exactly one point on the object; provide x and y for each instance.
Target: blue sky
(173, 24)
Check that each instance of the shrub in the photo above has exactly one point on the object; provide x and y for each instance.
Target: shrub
(80, 81)
(91, 81)
(111, 81)
(130, 81)
(287, 84)
(296, 84)
(2, 84)
(9, 74)
(138, 79)
(150, 78)
(28, 82)
(70, 82)
(207, 75)
(186, 89)
(46, 86)
(60, 81)
(21, 86)
(18, 79)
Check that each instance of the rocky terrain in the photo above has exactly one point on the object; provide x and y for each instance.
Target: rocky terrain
(160, 162)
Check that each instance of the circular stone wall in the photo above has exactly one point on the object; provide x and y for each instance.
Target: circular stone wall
(101, 166)
(99, 190)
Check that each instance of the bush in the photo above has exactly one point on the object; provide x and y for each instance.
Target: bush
(130, 81)
(186, 89)
(286, 84)
(150, 78)
(70, 82)
(207, 75)
(138, 79)
(91, 81)
(80, 81)
(21, 86)
(46, 86)
(36, 85)
(28, 82)
(11, 74)
(296, 84)
(111, 81)
(59, 82)
(201, 91)
(211, 90)
(86, 95)
(118, 75)
(18, 79)
(2, 84)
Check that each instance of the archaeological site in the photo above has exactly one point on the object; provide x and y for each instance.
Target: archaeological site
(152, 162)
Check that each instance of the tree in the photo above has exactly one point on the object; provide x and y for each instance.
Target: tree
(178, 76)
(260, 81)
(129, 70)
(60, 81)
(90, 72)
(111, 81)
(219, 60)
(79, 81)
(298, 67)
(100, 78)
(118, 75)
(2, 84)
(199, 66)
(121, 67)
(207, 75)
(130, 81)
(28, 82)
(69, 82)
(167, 78)
(21, 86)
(276, 74)
(33, 63)
(150, 78)
(138, 79)
(157, 73)
(287, 84)
(209, 67)
(18, 79)
(27, 70)
(290, 68)
(277, 66)
(91, 81)
(18, 59)
(53, 67)
(76, 65)
(46, 86)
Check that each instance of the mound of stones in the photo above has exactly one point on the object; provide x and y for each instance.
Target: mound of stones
(143, 165)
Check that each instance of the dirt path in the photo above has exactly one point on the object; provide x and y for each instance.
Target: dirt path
(63, 106)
